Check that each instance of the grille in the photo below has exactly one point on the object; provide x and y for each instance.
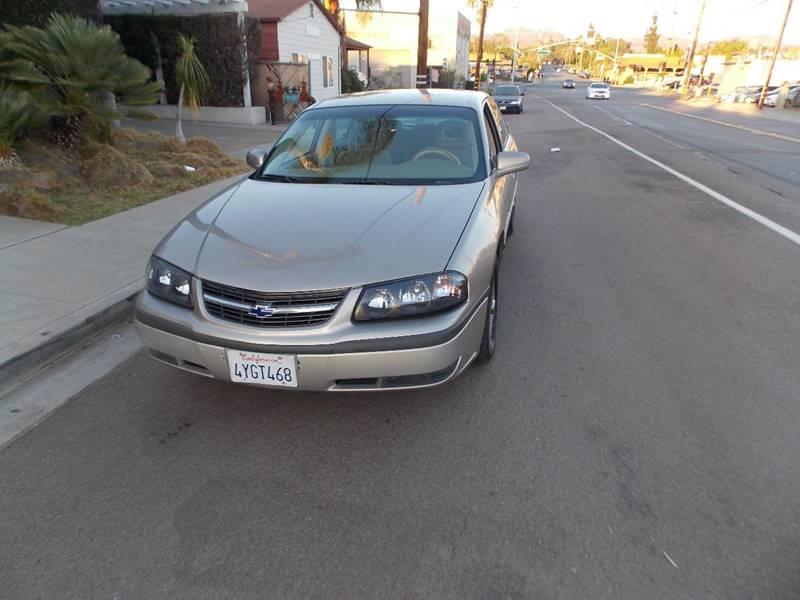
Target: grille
(290, 309)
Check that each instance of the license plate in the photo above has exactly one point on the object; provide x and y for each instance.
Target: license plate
(503, 107)
(263, 369)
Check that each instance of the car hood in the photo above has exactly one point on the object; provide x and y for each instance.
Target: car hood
(292, 237)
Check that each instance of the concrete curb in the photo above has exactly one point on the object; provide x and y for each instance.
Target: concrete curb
(20, 368)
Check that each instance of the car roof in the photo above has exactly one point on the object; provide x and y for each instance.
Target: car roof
(436, 97)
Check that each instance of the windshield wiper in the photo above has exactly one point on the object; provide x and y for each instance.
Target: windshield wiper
(282, 178)
(376, 182)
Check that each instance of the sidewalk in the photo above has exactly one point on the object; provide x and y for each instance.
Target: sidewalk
(771, 121)
(61, 284)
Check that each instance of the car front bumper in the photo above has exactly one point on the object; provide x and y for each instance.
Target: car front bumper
(393, 363)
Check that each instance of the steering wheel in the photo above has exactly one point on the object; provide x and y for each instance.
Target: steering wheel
(441, 152)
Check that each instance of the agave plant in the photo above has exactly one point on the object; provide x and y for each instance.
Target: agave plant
(192, 78)
(17, 116)
(73, 66)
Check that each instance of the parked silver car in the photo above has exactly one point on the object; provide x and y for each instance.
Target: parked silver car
(509, 98)
(362, 254)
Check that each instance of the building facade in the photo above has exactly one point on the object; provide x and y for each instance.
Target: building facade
(392, 38)
(302, 32)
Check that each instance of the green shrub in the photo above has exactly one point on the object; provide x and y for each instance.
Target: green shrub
(350, 82)
(152, 40)
(17, 117)
(76, 71)
(628, 80)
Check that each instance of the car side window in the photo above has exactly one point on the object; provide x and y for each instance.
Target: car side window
(504, 132)
(499, 121)
(494, 140)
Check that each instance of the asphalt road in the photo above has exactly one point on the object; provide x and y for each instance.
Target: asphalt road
(636, 435)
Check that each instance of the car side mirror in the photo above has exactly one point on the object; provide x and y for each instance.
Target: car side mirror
(511, 162)
(256, 156)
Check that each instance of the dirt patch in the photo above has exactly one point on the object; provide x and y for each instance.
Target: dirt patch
(97, 179)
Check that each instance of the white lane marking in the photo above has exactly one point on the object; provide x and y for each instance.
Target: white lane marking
(612, 115)
(724, 123)
(758, 218)
(663, 139)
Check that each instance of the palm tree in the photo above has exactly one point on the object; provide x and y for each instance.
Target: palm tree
(71, 67)
(485, 4)
(192, 78)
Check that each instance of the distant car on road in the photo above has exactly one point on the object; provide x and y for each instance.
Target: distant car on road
(509, 98)
(568, 84)
(598, 90)
(729, 97)
(752, 95)
(792, 98)
(584, 75)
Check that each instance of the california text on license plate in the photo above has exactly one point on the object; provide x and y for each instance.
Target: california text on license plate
(263, 369)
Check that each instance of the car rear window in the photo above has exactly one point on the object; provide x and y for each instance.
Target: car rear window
(506, 90)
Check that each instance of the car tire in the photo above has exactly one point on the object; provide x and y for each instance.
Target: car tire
(787, 103)
(489, 340)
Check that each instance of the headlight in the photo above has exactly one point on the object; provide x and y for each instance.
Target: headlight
(515, 101)
(169, 282)
(411, 297)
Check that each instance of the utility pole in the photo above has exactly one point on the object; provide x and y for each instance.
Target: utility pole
(705, 60)
(514, 58)
(480, 46)
(774, 56)
(422, 44)
(688, 69)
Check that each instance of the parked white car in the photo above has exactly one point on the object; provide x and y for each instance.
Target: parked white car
(598, 90)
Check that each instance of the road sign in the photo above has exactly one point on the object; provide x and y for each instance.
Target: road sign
(543, 52)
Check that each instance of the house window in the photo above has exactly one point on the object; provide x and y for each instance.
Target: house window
(298, 57)
(327, 71)
(311, 9)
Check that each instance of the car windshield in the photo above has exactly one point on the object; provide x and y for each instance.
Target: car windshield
(506, 90)
(402, 145)
(599, 85)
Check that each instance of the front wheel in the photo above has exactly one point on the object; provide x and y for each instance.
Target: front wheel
(489, 341)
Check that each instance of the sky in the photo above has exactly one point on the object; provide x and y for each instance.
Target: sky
(631, 18)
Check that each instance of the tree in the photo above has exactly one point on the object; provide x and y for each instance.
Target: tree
(484, 7)
(652, 36)
(729, 48)
(609, 46)
(70, 67)
(350, 82)
(191, 76)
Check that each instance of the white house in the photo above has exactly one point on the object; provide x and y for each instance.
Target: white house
(302, 32)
